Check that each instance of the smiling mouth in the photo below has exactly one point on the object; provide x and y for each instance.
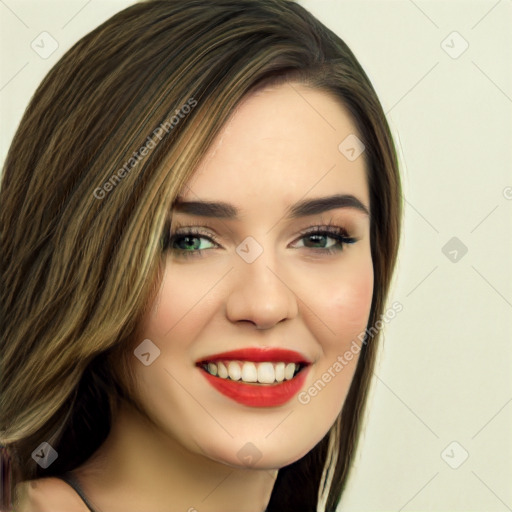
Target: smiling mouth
(251, 372)
(256, 376)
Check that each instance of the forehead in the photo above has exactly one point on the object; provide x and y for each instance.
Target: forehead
(280, 144)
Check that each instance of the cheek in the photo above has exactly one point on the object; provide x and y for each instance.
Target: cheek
(182, 304)
(351, 302)
(345, 305)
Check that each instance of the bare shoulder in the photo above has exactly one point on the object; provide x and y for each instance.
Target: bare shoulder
(47, 495)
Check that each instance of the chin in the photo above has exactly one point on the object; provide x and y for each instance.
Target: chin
(262, 454)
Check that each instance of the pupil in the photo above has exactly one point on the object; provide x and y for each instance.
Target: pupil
(316, 239)
(190, 242)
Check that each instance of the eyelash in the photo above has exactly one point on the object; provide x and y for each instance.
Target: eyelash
(329, 230)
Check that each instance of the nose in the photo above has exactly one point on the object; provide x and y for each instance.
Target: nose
(260, 296)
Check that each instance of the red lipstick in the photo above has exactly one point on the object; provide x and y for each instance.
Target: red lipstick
(256, 394)
(259, 354)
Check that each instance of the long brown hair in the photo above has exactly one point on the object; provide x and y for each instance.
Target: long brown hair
(84, 209)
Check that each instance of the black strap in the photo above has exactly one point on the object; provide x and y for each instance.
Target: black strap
(71, 480)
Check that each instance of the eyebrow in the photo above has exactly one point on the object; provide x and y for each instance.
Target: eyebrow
(300, 209)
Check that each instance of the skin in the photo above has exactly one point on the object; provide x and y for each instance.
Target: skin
(279, 147)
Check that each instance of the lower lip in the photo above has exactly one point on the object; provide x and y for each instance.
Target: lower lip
(258, 395)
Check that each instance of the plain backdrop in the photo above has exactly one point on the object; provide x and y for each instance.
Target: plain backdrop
(437, 435)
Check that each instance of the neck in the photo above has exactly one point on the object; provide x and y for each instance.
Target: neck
(139, 467)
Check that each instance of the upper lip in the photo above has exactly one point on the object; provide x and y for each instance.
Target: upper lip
(258, 354)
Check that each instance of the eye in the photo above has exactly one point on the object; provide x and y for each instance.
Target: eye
(193, 242)
(190, 243)
(325, 239)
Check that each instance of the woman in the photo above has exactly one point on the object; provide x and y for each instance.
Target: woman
(200, 217)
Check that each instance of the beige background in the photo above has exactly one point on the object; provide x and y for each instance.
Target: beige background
(443, 382)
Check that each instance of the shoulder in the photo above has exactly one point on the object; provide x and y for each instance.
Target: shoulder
(48, 495)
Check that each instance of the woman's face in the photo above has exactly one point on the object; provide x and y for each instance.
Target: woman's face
(281, 263)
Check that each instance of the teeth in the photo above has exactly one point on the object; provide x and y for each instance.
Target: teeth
(266, 373)
(288, 371)
(222, 371)
(247, 371)
(279, 369)
(235, 373)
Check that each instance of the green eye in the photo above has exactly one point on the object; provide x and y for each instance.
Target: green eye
(190, 243)
(317, 239)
